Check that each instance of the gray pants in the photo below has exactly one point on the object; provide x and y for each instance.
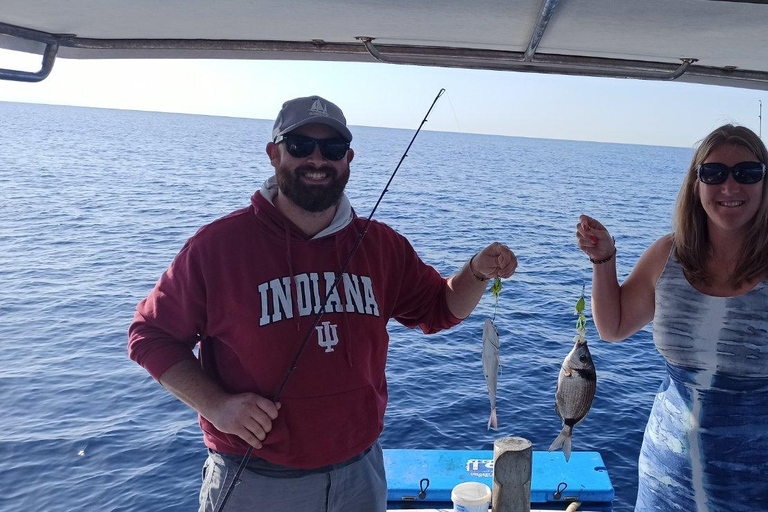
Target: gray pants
(358, 487)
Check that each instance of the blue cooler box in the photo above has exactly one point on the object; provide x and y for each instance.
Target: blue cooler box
(425, 478)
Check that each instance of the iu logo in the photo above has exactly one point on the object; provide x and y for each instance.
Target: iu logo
(326, 336)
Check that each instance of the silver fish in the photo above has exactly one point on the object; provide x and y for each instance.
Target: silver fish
(575, 391)
(491, 362)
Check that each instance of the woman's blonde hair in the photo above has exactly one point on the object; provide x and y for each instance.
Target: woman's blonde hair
(690, 235)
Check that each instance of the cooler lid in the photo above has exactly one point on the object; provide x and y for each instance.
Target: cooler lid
(583, 478)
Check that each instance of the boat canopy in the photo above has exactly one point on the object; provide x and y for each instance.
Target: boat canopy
(721, 42)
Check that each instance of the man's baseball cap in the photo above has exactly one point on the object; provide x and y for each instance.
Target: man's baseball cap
(310, 110)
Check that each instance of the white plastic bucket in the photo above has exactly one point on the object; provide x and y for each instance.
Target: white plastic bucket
(471, 497)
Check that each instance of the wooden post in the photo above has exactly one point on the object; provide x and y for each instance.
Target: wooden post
(512, 462)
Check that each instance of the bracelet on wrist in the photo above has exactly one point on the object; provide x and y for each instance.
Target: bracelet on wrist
(479, 278)
(609, 258)
(604, 260)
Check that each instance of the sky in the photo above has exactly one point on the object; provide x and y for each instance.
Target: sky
(394, 96)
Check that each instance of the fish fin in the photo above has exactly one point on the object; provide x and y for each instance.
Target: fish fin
(493, 422)
(564, 439)
(567, 447)
(557, 443)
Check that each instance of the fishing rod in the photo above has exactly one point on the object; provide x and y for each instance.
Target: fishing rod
(321, 312)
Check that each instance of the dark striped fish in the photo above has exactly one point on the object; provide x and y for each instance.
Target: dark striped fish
(575, 390)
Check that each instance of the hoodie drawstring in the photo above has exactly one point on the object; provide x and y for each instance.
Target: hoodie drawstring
(341, 290)
(294, 285)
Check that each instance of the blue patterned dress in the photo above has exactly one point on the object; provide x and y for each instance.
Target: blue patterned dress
(706, 443)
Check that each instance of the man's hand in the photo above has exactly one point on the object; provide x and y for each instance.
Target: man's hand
(465, 288)
(247, 415)
(496, 260)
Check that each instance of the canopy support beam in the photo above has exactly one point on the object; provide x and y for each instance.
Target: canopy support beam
(546, 13)
(70, 46)
(560, 64)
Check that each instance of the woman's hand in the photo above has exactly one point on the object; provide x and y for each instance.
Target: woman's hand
(594, 239)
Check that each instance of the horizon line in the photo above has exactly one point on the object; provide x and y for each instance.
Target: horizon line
(358, 125)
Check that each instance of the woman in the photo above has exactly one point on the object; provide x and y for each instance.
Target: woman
(705, 286)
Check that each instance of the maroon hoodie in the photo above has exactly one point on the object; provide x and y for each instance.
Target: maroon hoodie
(251, 283)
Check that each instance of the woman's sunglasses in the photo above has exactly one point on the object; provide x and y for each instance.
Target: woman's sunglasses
(745, 173)
(300, 146)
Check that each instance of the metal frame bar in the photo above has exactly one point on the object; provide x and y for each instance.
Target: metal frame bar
(546, 13)
(395, 54)
(548, 65)
(515, 61)
(49, 54)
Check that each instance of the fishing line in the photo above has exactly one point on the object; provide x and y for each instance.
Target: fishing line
(454, 113)
(321, 312)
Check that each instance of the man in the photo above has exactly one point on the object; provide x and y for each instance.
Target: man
(250, 285)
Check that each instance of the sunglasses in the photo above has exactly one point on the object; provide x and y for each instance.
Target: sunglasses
(745, 173)
(300, 146)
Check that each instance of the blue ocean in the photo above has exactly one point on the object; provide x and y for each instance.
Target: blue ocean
(94, 205)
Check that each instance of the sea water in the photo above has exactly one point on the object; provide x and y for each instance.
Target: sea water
(94, 204)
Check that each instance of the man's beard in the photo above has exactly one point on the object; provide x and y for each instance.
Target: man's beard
(312, 198)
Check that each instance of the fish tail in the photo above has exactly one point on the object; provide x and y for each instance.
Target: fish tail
(493, 422)
(563, 441)
(567, 447)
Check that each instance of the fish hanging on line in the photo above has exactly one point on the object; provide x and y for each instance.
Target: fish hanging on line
(576, 385)
(491, 362)
(491, 356)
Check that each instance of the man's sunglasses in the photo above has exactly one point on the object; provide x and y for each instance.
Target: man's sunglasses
(299, 146)
(745, 173)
